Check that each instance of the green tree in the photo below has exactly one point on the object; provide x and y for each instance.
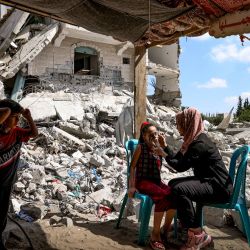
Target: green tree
(239, 107)
(214, 119)
(244, 115)
(246, 104)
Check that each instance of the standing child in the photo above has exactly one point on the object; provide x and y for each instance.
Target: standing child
(146, 178)
(11, 138)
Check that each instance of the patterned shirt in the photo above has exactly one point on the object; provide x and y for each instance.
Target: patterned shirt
(10, 145)
(148, 165)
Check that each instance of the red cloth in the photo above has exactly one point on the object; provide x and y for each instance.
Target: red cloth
(144, 124)
(159, 193)
(15, 134)
(10, 145)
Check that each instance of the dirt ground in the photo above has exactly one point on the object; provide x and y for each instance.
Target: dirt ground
(104, 236)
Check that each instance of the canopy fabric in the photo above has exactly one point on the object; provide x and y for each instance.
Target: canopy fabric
(143, 22)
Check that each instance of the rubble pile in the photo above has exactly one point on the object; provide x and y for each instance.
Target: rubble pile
(75, 166)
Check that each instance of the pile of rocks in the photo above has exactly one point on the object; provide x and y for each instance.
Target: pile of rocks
(75, 167)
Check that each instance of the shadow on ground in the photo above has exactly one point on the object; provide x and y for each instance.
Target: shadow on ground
(16, 239)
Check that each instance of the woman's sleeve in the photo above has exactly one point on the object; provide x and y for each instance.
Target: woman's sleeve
(184, 162)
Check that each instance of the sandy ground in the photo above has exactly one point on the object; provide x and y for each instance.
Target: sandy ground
(103, 236)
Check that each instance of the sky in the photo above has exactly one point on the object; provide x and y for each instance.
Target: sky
(214, 72)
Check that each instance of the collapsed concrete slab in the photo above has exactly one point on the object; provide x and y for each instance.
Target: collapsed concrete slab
(71, 128)
(244, 136)
(40, 108)
(225, 122)
(68, 136)
(10, 28)
(68, 109)
(30, 50)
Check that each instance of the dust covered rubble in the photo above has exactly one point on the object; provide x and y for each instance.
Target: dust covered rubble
(76, 168)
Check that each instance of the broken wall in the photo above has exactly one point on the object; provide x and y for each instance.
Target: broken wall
(61, 60)
(170, 98)
(165, 55)
(164, 64)
(3, 10)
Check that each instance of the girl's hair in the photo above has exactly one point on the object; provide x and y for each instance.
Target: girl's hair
(144, 129)
(15, 107)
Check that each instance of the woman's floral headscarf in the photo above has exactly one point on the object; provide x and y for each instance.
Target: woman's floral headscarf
(191, 122)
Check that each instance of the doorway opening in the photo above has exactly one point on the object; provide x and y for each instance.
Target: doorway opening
(86, 61)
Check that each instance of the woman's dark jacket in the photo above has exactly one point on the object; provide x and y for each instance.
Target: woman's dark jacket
(205, 160)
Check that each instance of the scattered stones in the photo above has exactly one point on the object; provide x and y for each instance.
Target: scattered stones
(54, 220)
(97, 160)
(78, 164)
(34, 210)
(68, 222)
(19, 186)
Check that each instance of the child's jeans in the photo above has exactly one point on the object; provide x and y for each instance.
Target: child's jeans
(5, 192)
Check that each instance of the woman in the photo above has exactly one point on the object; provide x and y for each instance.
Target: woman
(211, 182)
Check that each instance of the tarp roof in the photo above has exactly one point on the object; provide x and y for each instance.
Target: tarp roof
(143, 22)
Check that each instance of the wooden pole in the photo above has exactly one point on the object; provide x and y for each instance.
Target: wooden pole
(140, 89)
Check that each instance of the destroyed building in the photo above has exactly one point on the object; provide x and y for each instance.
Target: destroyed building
(163, 64)
(67, 76)
(36, 49)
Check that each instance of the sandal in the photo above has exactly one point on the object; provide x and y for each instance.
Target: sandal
(156, 245)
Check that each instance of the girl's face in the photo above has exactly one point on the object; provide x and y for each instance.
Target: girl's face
(151, 136)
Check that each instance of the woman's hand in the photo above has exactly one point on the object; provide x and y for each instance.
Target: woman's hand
(158, 150)
(131, 192)
(158, 145)
(162, 140)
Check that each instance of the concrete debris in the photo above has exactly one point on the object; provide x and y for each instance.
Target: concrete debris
(225, 122)
(54, 220)
(77, 166)
(67, 136)
(34, 103)
(10, 28)
(66, 109)
(34, 210)
(30, 50)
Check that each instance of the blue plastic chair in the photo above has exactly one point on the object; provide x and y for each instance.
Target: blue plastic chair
(146, 202)
(238, 200)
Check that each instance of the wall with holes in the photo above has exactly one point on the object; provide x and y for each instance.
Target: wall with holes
(61, 60)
